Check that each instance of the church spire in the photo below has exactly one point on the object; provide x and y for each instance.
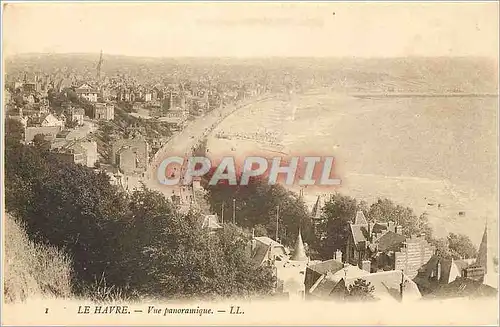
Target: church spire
(299, 253)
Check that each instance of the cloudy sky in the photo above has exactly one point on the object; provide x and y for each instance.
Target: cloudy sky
(254, 29)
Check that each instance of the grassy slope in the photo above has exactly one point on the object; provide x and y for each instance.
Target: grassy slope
(32, 269)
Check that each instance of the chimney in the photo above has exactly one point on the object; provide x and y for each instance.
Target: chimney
(366, 265)
(338, 256)
(399, 229)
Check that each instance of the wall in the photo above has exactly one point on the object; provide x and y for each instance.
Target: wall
(30, 132)
(104, 111)
(139, 145)
(414, 255)
(127, 161)
(91, 149)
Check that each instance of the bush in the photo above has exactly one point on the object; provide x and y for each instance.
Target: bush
(360, 290)
(32, 269)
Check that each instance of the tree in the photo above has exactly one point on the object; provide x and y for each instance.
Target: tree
(150, 216)
(461, 247)
(260, 230)
(442, 249)
(455, 246)
(169, 254)
(65, 205)
(360, 290)
(14, 132)
(257, 203)
(337, 212)
(70, 123)
(385, 210)
(41, 143)
(136, 241)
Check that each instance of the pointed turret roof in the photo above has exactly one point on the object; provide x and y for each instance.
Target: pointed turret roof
(299, 253)
(316, 210)
(485, 260)
(482, 254)
(360, 218)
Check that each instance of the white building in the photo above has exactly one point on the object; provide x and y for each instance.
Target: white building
(87, 92)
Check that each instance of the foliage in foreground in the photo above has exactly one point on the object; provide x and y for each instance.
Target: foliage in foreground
(138, 243)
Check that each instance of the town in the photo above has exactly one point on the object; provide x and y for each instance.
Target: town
(121, 127)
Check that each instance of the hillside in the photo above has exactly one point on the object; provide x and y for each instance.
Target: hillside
(32, 270)
(124, 126)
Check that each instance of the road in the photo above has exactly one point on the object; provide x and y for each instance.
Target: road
(183, 143)
(82, 131)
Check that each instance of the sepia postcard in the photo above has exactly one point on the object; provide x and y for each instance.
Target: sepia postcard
(250, 163)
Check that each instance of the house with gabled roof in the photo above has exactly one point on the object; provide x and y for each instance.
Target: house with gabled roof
(315, 271)
(265, 251)
(437, 272)
(388, 285)
(375, 246)
(87, 92)
(392, 285)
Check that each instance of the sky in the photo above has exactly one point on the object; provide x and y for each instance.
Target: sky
(253, 29)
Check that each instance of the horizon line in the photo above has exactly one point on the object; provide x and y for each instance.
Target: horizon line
(252, 57)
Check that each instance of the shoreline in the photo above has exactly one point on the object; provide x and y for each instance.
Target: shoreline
(424, 95)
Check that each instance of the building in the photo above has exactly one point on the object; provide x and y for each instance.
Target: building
(104, 111)
(374, 246)
(130, 155)
(290, 272)
(49, 133)
(437, 272)
(115, 176)
(299, 252)
(416, 252)
(82, 152)
(316, 216)
(48, 120)
(388, 285)
(29, 87)
(324, 285)
(265, 251)
(175, 118)
(90, 148)
(7, 96)
(483, 269)
(76, 115)
(211, 222)
(315, 271)
(87, 92)
(74, 154)
(45, 120)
